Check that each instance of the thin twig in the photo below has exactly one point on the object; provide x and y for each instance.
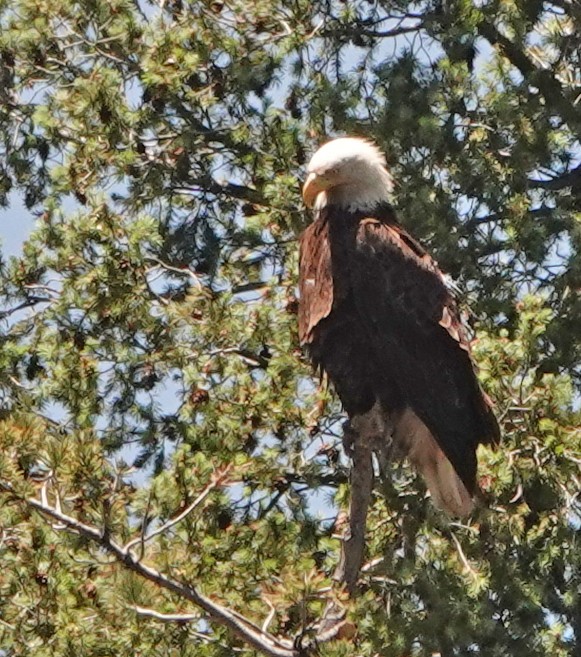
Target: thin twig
(166, 618)
(184, 271)
(217, 480)
(271, 614)
(463, 558)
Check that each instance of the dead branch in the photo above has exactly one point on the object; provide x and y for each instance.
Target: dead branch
(217, 480)
(253, 635)
(165, 618)
(243, 628)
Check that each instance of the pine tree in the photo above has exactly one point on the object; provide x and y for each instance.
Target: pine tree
(171, 471)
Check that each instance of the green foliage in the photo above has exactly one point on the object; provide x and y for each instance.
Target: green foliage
(149, 363)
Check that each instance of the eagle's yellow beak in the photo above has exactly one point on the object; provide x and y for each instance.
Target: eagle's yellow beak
(312, 187)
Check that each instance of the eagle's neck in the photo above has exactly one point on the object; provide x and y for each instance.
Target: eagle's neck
(341, 219)
(369, 190)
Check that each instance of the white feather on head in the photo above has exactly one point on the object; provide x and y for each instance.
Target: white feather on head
(349, 172)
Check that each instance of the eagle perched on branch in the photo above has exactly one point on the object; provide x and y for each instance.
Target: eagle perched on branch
(377, 316)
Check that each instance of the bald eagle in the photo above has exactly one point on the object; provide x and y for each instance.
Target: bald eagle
(378, 317)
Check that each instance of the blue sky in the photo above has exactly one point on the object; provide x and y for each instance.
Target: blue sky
(16, 223)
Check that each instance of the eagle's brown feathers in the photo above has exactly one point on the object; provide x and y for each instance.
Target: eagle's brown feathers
(377, 316)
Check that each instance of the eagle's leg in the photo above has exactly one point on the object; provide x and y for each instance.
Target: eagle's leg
(363, 435)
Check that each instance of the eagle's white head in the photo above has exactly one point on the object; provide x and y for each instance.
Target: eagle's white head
(348, 172)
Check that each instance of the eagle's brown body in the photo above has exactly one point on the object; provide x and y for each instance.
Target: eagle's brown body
(375, 314)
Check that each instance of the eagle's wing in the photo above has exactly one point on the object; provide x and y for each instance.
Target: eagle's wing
(433, 292)
(417, 334)
(315, 278)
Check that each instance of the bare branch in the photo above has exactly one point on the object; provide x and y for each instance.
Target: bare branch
(330, 627)
(374, 34)
(570, 179)
(385, 34)
(183, 271)
(233, 190)
(270, 616)
(463, 558)
(217, 480)
(30, 301)
(166, 618)
(245, 629)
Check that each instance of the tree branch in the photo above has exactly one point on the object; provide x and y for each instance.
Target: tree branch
(328, 629)
(245, 629)
(166, 618)
(217, 480)
(570, 179)
(27, 303)
(548, 85)
(353, 544)
(537, 213)
(355, 31)
(397, 31)
(233, 190)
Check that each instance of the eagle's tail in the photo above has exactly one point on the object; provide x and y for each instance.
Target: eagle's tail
(446, 488)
